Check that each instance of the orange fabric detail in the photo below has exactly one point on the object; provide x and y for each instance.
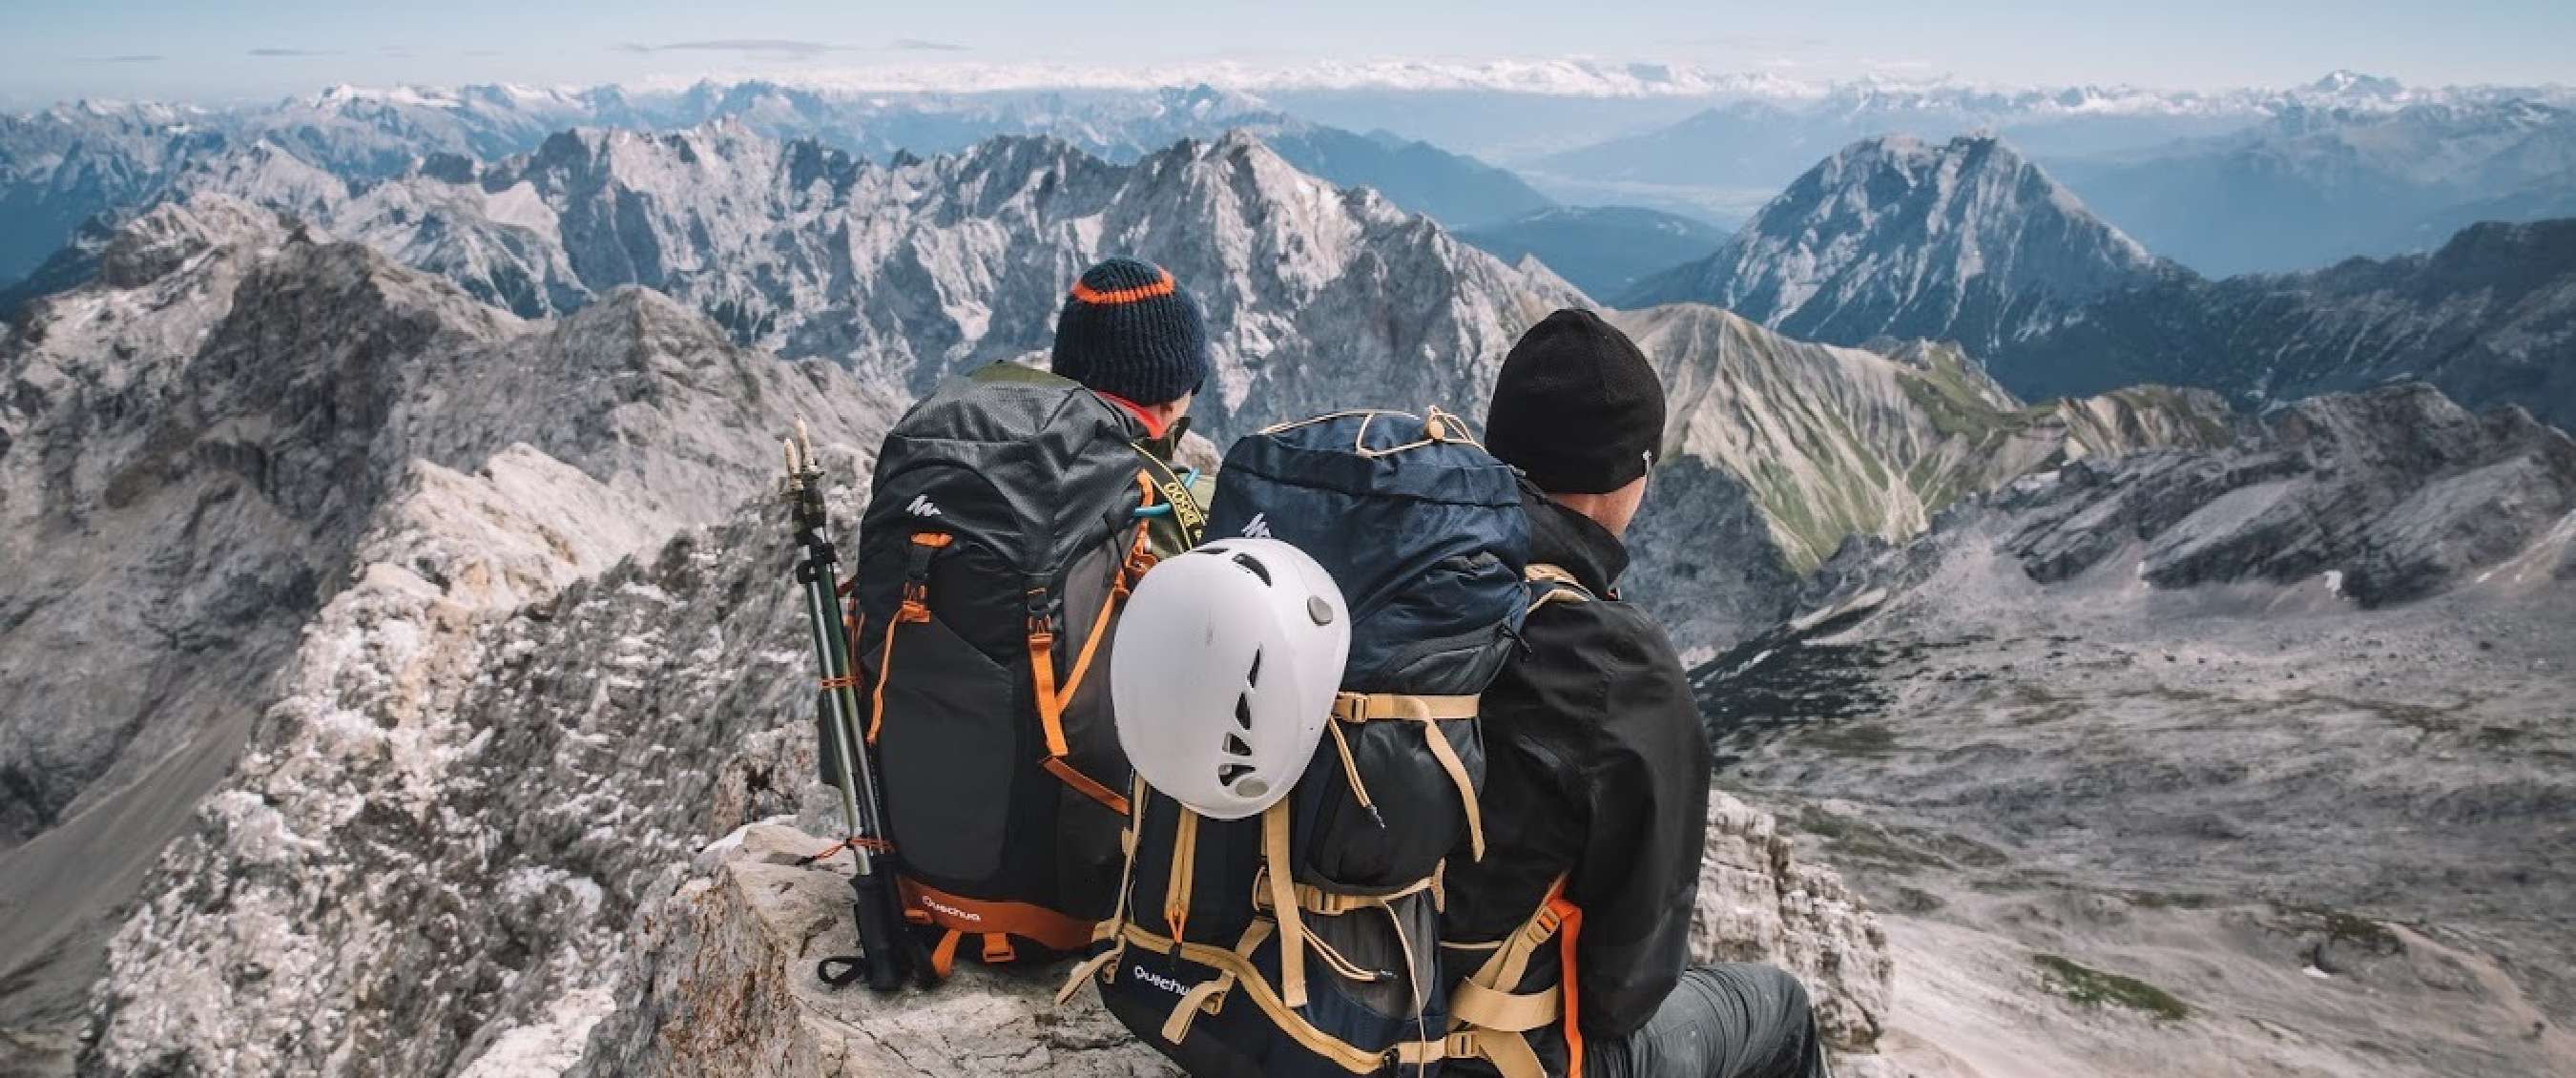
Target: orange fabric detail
(911, 611)
(1118, 587)
(997, 949)
(1050, 705)
(1163, 287)
(1154, 425)
(1086, 785)
(974, 915)
(933, 540)
(944, 957)
(1569, 928)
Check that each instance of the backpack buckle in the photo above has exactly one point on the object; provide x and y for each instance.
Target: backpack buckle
(1041, 626)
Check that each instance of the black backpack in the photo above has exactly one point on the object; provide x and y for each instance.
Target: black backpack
(1303, 941)
(1011, 513)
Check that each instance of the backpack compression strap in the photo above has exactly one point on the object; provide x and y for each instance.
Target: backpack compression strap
(1051, 700)
(1488, 1020)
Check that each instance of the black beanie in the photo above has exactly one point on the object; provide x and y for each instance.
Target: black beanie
(1577, 407)
(1128, 329)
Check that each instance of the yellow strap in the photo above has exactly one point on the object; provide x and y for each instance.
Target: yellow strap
(1371, 706)
(1316, 900)
(1204, 994)
(1283, 905)
(1508, 1012)
(1248, 980)
(1509, 1053)
(1573, 590)
(1457, 770)
(1090, 967)
(1185, 860)
(1209, 996)
(1542, 572)
(1350, 767)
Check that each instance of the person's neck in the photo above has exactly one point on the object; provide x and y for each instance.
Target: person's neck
(1602, 509)
(1157, 418)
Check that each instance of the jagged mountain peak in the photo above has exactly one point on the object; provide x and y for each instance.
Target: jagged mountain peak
(1962, 240)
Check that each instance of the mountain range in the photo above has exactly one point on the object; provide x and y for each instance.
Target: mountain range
(2225, 184)
(62, 166)
(2314, 186)
(1970, 242)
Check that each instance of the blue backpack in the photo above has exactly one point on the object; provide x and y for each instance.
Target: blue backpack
(1303, 941)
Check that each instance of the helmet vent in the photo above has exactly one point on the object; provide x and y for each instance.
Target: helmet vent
(1230, 770)
(1243, 710)
(1253, 565)
(1253, 677)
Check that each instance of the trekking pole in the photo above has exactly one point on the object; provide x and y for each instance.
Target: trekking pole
(874, 902)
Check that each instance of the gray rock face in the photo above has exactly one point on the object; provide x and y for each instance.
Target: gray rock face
(918, 270)
(2398, 493)
(2196, 762)
(194, 452)
(1895, 237)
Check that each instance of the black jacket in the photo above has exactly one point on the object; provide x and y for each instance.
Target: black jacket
(1597, 769)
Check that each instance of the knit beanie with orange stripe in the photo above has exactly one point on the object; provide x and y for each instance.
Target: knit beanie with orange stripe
(1128, 329)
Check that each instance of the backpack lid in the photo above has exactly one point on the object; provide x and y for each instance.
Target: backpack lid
(1420, 526)
(1025, 462)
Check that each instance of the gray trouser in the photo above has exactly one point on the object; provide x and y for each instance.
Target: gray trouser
(1729, 1021)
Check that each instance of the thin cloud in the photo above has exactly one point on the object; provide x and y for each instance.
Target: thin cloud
(914, 44)
(1755, 43)
(787, 48)
(399, 52)
(128, 58)
(286, 53)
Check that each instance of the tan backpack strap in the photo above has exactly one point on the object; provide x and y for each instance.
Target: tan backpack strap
(1562, 586)
(1488, 1020)
(1427, 710)
(1209, 995)
(1283, 906)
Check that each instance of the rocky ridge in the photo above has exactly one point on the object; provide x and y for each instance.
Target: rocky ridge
(2197, 761)
(1777, 452)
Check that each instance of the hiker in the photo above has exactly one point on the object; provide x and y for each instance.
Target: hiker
(1597, 771)
(1012, 513)
(1134, 337)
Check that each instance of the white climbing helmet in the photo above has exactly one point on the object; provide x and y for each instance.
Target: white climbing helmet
(1224, 670)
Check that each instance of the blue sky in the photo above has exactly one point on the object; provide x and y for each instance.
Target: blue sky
(205, 50)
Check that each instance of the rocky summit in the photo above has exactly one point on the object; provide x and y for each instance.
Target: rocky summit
(1896, 237)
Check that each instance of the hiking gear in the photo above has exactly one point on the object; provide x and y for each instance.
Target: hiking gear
(1577, 406)
(1227, 661)
(886, 955)
(1722, 1021)
(1597, 777)
(1298, 941)
(996, 551)
(1129, 329)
